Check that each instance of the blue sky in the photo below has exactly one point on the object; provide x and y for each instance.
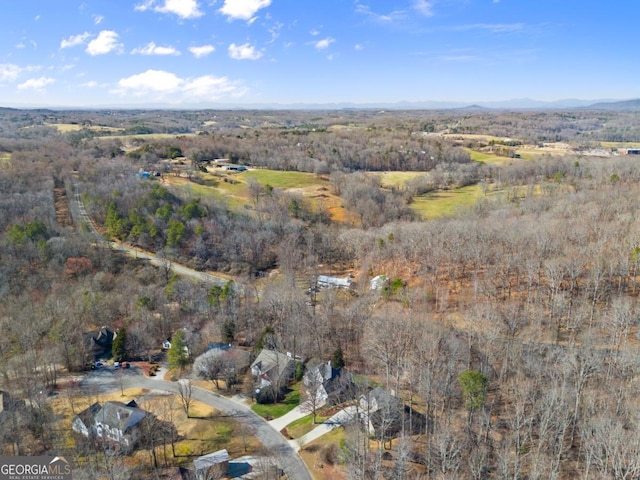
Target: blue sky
(246, 52)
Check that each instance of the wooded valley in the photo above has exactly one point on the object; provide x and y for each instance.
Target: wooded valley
(507, 322)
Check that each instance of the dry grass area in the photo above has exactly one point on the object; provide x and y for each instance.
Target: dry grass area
(74, 127)
(206, 430)
(316, 454)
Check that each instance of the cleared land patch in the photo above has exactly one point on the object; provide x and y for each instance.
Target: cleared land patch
(74, 127)
(446, 202)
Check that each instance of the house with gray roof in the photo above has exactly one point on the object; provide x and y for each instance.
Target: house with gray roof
(119, 424)
(272, 372)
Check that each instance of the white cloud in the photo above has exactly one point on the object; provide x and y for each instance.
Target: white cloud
(202, 50)
(107, 41)
(151, 80)
(184, 9)
(152, 49)
(243, 9)
(324, 43)
(423, 7)
(89, 84)
(144, 6)
(394, 16)
(209, 86)
(9, 72)
(314, 32)
(36, 83)
(158, 83)
(244, 52)
(357, 47)
(75, 40)
(97, 19)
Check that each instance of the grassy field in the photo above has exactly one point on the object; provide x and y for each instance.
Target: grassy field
(396, 179)
(317, 190)
(74, 127)
(487, 157)
(234, 191)
(620, 144)
(443, 203)
(286, 180)
(5, 159)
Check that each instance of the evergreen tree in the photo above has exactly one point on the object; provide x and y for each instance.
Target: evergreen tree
(338, 358)
(119, 347)
(178, 355)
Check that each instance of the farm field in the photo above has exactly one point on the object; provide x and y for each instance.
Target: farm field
(74, 127)
(233, 189)
(620, 144)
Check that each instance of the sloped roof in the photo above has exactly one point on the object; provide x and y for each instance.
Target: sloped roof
(117, 414)
(207, 461)
(272, 364)
(87, 415)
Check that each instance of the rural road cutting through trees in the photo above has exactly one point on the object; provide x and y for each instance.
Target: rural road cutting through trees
(153, 258)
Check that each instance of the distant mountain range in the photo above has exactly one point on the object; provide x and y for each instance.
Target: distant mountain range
(513, 104)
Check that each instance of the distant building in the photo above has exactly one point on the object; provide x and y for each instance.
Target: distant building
(378, 282)
(333, 282)
(235, 168)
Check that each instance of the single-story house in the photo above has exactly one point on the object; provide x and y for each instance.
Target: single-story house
(333, 282)
(272, 371)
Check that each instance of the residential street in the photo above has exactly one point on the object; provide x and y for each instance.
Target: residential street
(285, 455)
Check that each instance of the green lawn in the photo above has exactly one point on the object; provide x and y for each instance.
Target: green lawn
(276, 410)
(486, 157)
(280, 179)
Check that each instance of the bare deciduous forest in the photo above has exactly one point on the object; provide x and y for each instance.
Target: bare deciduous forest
(510, 327)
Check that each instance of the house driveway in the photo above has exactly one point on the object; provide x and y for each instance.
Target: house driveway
(297, 413)
(343, 417)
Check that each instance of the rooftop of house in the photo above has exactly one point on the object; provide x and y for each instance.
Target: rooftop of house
(211, 459)
(123, 416)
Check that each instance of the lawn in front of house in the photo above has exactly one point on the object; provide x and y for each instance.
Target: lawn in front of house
(276, 410)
